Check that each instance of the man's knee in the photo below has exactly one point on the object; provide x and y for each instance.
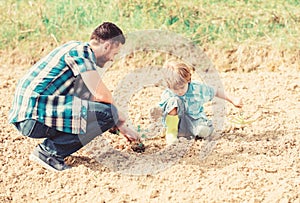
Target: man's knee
(107, 113)
(114, 113)
(112, 118)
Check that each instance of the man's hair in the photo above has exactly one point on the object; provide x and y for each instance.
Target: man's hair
(108, 31)
(176, 73)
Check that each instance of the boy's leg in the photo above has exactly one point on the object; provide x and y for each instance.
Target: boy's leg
(205, 131)
(172, 113)
(200, 129)
(172, 121)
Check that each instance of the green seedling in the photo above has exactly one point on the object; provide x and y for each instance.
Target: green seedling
(114, 130)
(139, 128)
(240, 120)
(138, 147)
(143, 136)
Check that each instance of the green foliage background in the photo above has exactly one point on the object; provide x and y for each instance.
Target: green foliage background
(36, 26)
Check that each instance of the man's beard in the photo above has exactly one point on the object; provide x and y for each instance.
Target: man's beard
(101, 61)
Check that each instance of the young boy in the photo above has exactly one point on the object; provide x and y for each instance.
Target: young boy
(182, 103)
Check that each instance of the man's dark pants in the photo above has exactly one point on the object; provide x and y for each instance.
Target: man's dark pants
(100, 118)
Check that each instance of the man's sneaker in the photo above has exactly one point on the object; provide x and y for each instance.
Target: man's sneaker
(49, 162)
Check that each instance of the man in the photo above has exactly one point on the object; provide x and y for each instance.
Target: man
(63, 99)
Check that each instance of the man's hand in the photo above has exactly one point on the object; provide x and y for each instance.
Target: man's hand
(129, 133)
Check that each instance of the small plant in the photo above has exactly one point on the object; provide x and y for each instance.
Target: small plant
(144, 136)
(240, 119)
(138, 147)
(114, 130)
(140, 130)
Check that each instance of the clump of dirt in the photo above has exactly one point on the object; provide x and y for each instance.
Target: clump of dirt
(138, 147)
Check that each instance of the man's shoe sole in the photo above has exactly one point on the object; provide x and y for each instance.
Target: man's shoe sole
(32, 157)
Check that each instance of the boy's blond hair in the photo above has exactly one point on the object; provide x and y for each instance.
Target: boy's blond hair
(176, 74)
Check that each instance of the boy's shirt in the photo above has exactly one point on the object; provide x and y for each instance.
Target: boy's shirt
(194, 99)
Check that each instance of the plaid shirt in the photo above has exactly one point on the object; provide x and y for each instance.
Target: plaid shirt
(46, 92)
(194, 99)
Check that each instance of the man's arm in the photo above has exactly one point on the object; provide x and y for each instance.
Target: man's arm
(101, 93)
(96, 86)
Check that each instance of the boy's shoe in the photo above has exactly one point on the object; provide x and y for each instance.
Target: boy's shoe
(47, 161)
(171, 139)
(204, 132)
(172, 129)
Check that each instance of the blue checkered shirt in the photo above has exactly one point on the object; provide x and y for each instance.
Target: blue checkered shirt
(46, 92)
(194, 99)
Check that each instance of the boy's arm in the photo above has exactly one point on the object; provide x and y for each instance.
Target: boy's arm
(237, 102)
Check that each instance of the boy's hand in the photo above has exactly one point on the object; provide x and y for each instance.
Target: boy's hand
(237, 102)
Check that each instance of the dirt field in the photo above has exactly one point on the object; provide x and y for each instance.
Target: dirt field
(254, 162)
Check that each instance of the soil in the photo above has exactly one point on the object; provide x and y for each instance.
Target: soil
(258, 161)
